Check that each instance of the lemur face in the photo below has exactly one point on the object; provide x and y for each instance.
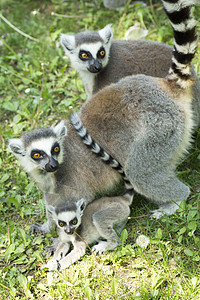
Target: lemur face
(68, 215)
(68, 221)
(40, 149)
(43, 154)
(89, 50)
(92, 57)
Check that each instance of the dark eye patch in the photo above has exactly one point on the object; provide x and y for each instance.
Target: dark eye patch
(37, 154)
(84, 55)
(73, 222)
(101, 53)
(55, 150)
(61, 223)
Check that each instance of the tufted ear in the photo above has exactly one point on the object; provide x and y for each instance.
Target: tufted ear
(60, 130)
(51, 209)
(67, 42)
(16, 147)
(81, 205)
(106, 33)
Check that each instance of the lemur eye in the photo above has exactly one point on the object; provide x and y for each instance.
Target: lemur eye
(57, 149)
(36, 155)
(102, 52)
(84, 55)
(60, 223)
(74, 222)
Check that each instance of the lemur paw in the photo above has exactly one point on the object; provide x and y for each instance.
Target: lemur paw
(64, 264)
(100, 247)
(51, 265)
(165, 209)
(156, 214)
(36, 229)
(49, 251)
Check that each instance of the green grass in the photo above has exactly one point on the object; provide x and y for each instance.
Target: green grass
(38, 88)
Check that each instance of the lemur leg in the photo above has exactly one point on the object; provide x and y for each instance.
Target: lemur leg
(74, 255)
(50, 250)
(61, 250)
(57, 248)
(104, 221)
(162, 188)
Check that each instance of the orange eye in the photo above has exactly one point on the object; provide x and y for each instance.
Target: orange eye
(74, 222)
(36, 155)
(102, 53)
(84, 55)
(56, 149)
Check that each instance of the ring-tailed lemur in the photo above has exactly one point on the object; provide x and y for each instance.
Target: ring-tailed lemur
(120, 58)
(93, 223)
(145, 123)
(40, 152)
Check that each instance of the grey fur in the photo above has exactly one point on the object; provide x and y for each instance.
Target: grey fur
(87, 37)
(94, 224)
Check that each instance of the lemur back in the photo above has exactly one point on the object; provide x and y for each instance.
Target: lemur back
(121, 58)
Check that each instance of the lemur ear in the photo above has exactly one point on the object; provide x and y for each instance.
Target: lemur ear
(51, 209)
(67, 42)
(16, 147)
(106, 33)
(60, 129)
(81, 204)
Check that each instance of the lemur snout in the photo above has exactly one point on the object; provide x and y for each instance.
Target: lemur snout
(52, 165)
(95, 67)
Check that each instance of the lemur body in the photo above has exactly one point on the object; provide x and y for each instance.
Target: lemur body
(145, 123)
(121, 58)
(93, 222)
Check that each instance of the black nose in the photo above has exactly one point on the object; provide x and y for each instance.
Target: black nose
(95, 67)
(69, 231)
(52, 165)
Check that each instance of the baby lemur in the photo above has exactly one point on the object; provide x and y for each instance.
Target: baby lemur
(144, 122)
(101, 61)
(93, 223)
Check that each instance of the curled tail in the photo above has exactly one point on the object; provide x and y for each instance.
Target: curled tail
(185, 40)
(100, 152)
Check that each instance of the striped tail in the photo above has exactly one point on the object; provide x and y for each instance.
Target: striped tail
(100, 152)
(185, 40)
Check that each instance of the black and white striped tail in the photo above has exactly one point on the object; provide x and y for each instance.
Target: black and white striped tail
(185, 40)
(100, 152)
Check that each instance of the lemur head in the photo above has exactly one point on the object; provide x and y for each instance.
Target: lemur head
(40, 150)
(67, 215)
(89, 50)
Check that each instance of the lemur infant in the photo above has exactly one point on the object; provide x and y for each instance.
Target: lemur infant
(101, 61)
(144, 122)
(93, 223)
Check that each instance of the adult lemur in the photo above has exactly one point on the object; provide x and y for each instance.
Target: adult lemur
(101, 61)
(145, 123)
